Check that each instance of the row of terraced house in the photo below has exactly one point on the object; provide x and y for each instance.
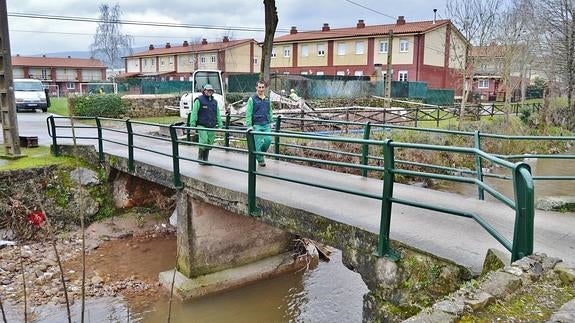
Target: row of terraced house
(425, 51)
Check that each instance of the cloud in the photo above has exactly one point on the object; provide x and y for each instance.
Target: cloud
(36, 36)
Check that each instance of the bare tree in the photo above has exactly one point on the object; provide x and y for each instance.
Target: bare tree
(516, 36)
(109, 43)
(475, 19)
(557, 18)
(271, 22)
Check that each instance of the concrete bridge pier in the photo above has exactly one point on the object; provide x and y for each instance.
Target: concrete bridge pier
(220, 250)
(399, 289)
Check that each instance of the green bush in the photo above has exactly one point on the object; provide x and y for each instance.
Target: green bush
(101, 105)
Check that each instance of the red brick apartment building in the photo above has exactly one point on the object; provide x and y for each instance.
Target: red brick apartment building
(422, 51)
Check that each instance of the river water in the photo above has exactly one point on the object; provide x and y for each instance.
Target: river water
(327, 293)
(539, 167)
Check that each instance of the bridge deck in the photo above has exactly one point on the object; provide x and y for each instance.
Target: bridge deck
(455, 238)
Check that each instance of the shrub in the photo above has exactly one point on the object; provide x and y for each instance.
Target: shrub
(101, 105)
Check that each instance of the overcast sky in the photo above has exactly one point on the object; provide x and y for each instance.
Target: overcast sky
(30, 36)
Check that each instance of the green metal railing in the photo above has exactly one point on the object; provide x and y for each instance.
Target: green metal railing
(130, 137)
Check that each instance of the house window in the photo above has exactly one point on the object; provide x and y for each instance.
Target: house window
(304, 51)
(359, 48)
(340, 73)
(255, 61)
(274, 52)
(203, 59)
(341, 49)
(402, 76)
(383, 45)
(358, 73)
(287, 51)
(319, 73)
(483, 84)
(71, 86)
(321, 49)
(45, 74)
(403, 46)
(190, 60)
(213, 58)
(483, 67)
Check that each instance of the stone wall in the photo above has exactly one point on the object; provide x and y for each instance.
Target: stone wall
(151, 105)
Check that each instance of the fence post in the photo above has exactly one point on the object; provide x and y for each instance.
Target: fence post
(301, 122)
(227, 127)
(175, 157)
(365, 148)
(416, 115)
(437, 120)
(478, 165)
(346, 120)
(100, 141)
(384, 115)
(277, 138)
(383, 246)
(130, 145)
(524, 212)
(55, 149)
(253, 210)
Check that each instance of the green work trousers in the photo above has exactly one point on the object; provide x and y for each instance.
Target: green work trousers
(206, 138)
(262, 141)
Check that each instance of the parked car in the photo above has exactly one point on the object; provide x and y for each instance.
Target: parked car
(30, 95)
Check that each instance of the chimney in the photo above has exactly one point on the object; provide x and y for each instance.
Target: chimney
(186, 44)
(43, 55)
(204, 41)
(69, 56)
(151, 47)
(168, 45)
(360, 24)
(226, 39)
(293, 30)
(434, 15)
(401, 20)
(17, 54)
(325, 27)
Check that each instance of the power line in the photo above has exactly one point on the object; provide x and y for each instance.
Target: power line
(136, 22)
(370, 9)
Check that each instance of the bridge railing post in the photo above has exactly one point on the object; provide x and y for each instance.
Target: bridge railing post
(478, 165)
(55, 148)
(188, 130)
(383, 247)
(130, 145)
(100, 140)
(227, 126)
(253, 210)
(277, 138)
(524, 212)
(175, 157)
(365, 148)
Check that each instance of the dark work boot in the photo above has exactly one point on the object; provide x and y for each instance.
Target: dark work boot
(206, 155)
(201, 155)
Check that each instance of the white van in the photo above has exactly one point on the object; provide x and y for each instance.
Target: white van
(30, 95)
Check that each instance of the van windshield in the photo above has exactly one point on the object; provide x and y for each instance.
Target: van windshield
(28, 86)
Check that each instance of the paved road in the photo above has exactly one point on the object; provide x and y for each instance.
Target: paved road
(451, 237)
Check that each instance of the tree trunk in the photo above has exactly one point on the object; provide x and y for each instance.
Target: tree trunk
(271, 22)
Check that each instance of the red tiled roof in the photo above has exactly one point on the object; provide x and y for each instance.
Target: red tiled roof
(375, 30)
(192, 48)
(57, 62)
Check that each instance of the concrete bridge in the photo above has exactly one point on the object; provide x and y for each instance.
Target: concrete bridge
(346, 221)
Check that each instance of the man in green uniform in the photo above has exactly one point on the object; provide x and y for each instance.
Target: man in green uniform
(205, 114)
(259, 116)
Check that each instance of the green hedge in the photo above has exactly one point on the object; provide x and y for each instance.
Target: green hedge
(97, 105)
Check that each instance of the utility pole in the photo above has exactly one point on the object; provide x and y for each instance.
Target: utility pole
(388, 70)
(7, 101)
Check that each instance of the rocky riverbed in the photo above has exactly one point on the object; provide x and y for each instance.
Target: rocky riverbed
(106, 276)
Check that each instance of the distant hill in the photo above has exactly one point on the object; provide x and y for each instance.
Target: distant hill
(86, 54)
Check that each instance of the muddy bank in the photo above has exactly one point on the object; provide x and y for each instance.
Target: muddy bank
(117, 267)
